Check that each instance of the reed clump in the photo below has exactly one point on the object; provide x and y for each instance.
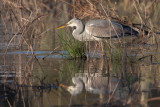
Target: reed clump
(76, 49)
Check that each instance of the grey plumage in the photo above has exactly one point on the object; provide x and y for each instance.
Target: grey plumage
(99, 29)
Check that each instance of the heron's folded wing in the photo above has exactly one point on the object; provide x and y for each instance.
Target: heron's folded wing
(103, 28)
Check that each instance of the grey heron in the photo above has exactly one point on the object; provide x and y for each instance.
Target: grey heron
(96, 30)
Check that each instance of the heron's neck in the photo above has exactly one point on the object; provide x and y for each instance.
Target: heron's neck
(77, 33)
(79, 86)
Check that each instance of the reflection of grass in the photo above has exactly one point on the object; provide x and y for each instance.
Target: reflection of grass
(75, 48)
(70, 69)
(120, 58)
(117, 57)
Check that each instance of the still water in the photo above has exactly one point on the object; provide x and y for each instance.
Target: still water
(30, 81)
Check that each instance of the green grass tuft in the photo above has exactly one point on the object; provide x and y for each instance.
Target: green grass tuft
(75, 48)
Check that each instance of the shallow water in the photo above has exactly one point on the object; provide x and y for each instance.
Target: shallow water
(31, 82)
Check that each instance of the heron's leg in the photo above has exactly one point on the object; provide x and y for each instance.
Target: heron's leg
(103, 52)
(87, 49)
(95, 48)
(101, 46)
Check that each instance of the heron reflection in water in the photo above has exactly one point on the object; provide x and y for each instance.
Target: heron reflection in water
(96, 30)
(92, 84)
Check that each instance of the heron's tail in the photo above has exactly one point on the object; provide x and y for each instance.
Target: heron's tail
(130, 31)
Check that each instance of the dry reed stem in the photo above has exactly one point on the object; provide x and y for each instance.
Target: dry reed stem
(140, 17)
(111, 23)
(22, 21)
(114, 90)
(51, 52)
(150, 99)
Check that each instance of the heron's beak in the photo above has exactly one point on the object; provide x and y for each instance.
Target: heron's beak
(63, 86)
(62, 26)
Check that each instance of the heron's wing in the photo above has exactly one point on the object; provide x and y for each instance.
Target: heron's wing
(103, 28)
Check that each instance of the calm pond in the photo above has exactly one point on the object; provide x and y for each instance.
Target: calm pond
(37, 71)
(29, 81)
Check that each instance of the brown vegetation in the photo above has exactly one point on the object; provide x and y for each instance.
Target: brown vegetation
(26, 22)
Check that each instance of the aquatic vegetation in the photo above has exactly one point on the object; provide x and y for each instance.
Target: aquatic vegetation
(75, 48)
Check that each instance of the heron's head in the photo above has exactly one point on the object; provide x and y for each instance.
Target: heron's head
(72, 23)
(74, 90)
